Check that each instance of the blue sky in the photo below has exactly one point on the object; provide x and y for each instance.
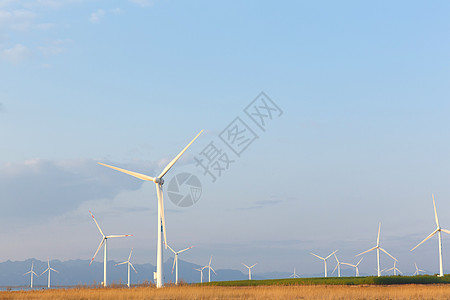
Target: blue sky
(363, 137)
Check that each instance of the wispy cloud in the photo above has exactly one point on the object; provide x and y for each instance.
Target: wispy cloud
(142, 2)
(15, 54)
(97, 16)
(55, 47)
(16, 19)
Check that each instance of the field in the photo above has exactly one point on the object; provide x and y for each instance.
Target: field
(389, 287)
(250, 292)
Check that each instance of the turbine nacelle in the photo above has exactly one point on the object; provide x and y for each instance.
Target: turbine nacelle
(159, 181)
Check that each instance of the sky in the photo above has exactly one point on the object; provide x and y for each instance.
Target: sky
(355, 129)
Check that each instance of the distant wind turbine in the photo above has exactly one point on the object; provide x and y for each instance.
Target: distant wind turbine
(417, 270)
(249, 270)
(31, 272)
(355, 266)
(201, 273)
(394, 268)
(324, 260)
(159, 181)
(49, 271)
(128, 262)
(209, 269)
(175, 261)
(104, 241)
(338, 266)
(438, 230)
(378, 248)
(294, 275)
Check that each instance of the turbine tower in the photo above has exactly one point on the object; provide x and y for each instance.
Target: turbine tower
(104, 241)
(49, 271)
(128, 262)
(438, 230)
(355, 266)
(294, 275)
(417, 270)
(209, 269)
(175, 261)
(31, 272)
(249, 270)
(378, 248)
(324, 260)
(161, 227)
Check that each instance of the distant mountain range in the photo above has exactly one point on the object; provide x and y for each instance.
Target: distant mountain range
(79, 272)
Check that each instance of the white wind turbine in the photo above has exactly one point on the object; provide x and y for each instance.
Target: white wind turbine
(378, 248)
(104, 241)
(49, 271)
(394, 268)
(175, 261)
(161, 228)
(338, 266)
(249, 270)
(128, 262)
(31, 272)
(417, 270)
(294, 275)
(201, 273)
(438, 231)
(209, 269)
(355, 266)
(324, 260)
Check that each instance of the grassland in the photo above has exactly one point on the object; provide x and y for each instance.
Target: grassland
(289, 292)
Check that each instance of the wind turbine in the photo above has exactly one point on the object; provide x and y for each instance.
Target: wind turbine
(104, 241)
(209, 269)
(49, 271)
(294, 275)
(355, 266)
(338, 266)
(175, 261)
(161, 228)
(31, 272)
(324, 260)
(201, 273)
(394, 268)
(249, 270)
(417, 270)
(378, 248)
(128, 262)
(438, 231)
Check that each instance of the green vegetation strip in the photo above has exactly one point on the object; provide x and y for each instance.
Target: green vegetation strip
(384, 280)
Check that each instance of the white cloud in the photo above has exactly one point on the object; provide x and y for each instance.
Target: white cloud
(142, 2)
(96, 16)
(116, 11)
(15, 54)
(45, 26)
(55, 47)
(16, 19)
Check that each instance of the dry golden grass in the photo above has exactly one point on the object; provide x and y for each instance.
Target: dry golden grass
(240, 293)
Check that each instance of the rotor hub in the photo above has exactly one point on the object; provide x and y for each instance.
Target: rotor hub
(159, 181)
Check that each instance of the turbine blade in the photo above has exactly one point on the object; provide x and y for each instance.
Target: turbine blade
(173, 267)
(117, 236)
(359, 261)
(435, 211)
(431, 234)
(445, 230)
(135, 174)
(169, 166)
(26, 273)
(378, 238)
(185, 249)
(121, 263)
(367, 251)
(167, 246)
(213, 270)
(98, 226)
(253, 265)
(335, 269)
(337, 260)
(210, 261)
(246, 266)
(129, 257)
(133, 267)
(318, 256)
(161, 203)
(388, 254)
(45, 271)
(99, 246)
(331, 254)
